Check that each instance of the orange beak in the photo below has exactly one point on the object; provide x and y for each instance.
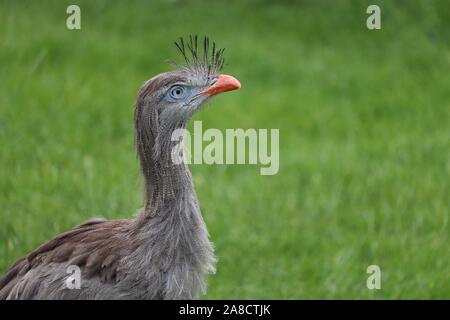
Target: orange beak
(223, 83)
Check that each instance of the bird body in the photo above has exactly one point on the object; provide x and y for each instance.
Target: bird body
(163, 253)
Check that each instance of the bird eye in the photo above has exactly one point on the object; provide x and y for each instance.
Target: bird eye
(177, 92)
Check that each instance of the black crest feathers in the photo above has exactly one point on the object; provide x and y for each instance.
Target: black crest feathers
(204, 56)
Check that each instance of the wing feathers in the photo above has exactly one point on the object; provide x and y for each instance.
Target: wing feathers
(95, 246)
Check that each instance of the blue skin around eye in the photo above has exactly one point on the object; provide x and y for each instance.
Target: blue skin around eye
(188, 92)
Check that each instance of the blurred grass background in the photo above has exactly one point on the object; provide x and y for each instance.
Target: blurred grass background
(364, 136)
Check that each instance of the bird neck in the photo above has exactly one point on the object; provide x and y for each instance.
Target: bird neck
(170, 226)
(165, 184)
(166, 179)
(173, 235)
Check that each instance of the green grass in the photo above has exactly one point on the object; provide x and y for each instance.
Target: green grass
(364, 136)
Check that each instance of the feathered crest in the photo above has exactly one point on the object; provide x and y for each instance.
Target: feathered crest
(206, 57)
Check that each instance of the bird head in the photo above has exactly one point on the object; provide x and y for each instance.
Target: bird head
(176, 95)
(167, 101)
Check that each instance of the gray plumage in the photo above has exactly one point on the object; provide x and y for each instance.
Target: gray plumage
(163, 253)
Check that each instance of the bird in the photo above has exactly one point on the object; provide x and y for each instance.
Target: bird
(164, 251)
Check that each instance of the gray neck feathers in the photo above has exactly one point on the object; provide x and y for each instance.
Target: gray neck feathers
(165, 181)
(170, 226)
